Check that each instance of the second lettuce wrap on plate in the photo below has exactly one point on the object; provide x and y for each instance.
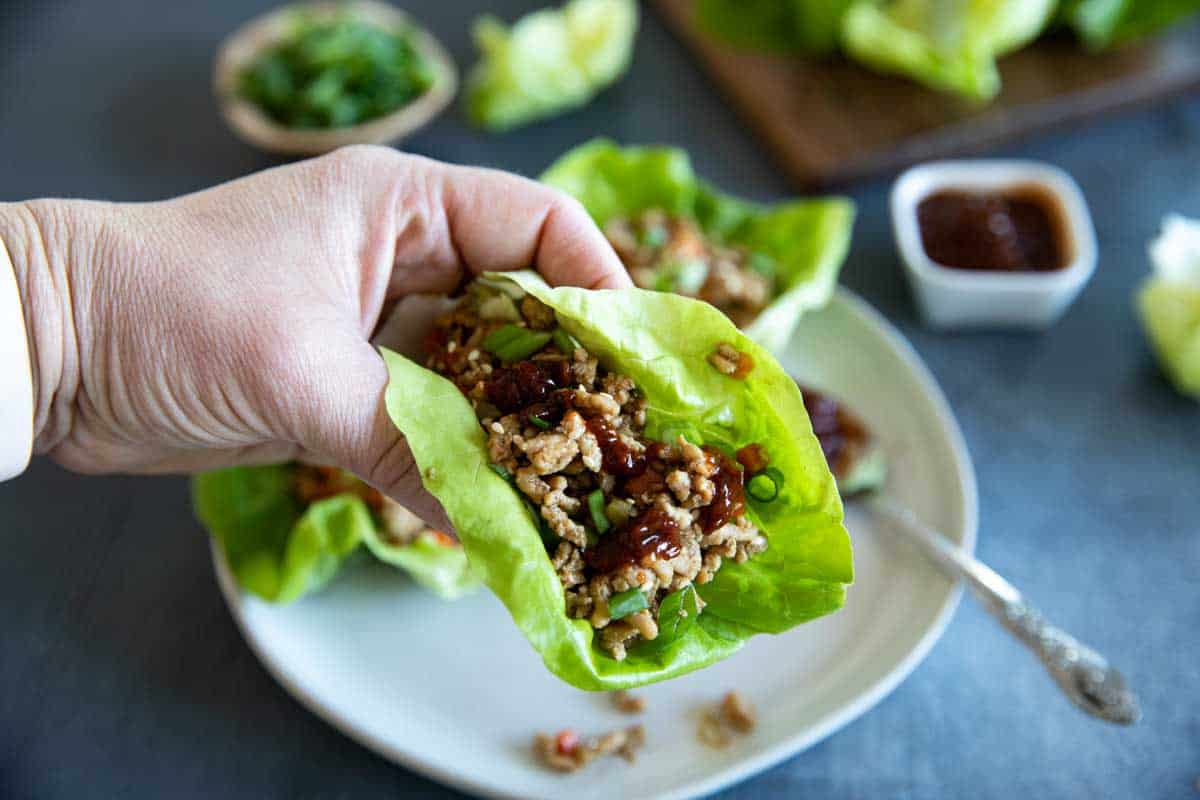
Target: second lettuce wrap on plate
(287, 529)
(763, 265)
(690, 379)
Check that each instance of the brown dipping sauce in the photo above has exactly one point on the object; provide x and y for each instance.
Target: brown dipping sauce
(1020, 229)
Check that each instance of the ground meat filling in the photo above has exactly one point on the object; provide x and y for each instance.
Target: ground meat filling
(627, 520)
(670, 253)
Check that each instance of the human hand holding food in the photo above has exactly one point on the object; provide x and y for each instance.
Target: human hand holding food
(231, 326)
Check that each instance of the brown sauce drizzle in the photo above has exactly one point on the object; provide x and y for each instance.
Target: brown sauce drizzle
(651, 534)
(729, 496)
(620, 459)
(525, 383)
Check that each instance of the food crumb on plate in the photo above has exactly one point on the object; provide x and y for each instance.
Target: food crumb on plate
(733, 715)
(627, 702)
(566, 752)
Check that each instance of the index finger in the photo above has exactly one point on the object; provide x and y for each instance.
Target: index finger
(500, 221)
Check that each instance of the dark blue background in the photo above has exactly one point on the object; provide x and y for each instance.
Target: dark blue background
(121, 673)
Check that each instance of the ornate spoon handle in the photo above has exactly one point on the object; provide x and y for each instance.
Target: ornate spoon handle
(1083, 674)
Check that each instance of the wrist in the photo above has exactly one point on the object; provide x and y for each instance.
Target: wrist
(37, 238)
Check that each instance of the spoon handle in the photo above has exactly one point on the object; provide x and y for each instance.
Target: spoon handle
(1081, 672)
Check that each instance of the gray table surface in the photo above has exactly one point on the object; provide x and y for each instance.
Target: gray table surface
(122, 674)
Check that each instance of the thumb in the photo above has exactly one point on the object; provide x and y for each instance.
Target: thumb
(347, 424)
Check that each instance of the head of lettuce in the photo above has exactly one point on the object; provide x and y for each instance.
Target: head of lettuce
(664, 343)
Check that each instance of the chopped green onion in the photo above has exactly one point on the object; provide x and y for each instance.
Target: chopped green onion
(763, 264)
(513, 343)
(654, 236)
(664, 281)
(766, 485)
(564, 342)
(538, 422)
(596, 506)
(501, 471)
(677, 613)
(628, 602)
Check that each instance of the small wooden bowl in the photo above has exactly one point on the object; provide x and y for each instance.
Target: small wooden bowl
(251, 124)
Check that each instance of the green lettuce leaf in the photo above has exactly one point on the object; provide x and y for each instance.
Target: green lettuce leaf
(280, 551)
(949, 46)
(804, 26)
(662, 341)
(1170, 313)
(549, 61)
(1104, 23)
(1169, 301)
(433, 563)
(806, 239)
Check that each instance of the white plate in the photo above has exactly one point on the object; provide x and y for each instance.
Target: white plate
(452, 690)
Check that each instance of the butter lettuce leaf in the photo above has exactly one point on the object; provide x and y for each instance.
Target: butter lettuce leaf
(549, 61)
(433, 561)
(804, 26)
(1169, 302)
(807, 240)
(280, 551)
(1170, 313)
(662, 341)
(949, 46)
(1105, 23)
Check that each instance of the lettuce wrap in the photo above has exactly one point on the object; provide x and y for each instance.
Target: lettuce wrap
(663, 342)
(549, 61)
(1169, 302)
(804, 241)
(280, 550)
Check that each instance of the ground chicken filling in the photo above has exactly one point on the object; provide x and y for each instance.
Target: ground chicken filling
(397, 525)
(671, 254)
(626, 521)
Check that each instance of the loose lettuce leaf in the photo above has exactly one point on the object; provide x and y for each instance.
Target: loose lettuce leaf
(1169, 302)
(1104, 23)
(949, 46)
(806, 239)
(438, 566)
(804, 26)
(274, 550)
(549, 61)
(281, 552)
(1170, 313)
(662, 341)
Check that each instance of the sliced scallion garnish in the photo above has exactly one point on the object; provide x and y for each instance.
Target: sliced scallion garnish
(596, 506)
(501, 471)
(538, 422)
(513, 343)
(564, 342)
(627, 602)
(654, 235)
(766, 485)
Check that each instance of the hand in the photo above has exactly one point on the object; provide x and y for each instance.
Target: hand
(231, 326)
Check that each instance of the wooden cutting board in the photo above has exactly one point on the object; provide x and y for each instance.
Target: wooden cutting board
(831, 120)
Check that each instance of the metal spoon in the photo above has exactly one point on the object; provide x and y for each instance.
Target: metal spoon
(1084, 675)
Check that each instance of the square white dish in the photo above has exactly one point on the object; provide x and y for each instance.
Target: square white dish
(959, 299)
